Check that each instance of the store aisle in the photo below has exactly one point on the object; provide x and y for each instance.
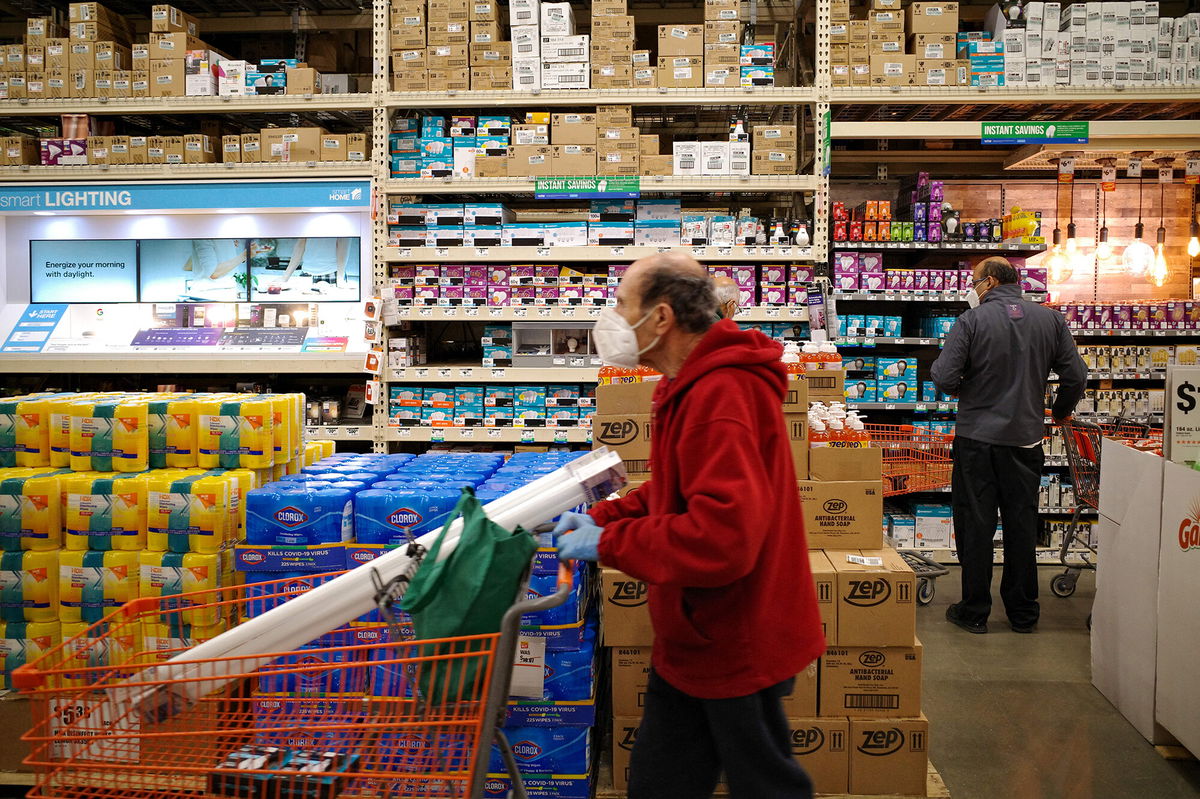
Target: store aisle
(1016, 715)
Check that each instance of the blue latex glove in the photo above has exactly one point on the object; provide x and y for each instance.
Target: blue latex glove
(578, 537)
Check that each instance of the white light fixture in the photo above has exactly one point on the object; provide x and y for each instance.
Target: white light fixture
(1158, 270)
(1104, 250)
(1138, 255)
(1193, 245)
(1058, 263)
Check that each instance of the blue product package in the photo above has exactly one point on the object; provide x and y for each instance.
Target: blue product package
(353, 486)
(889, 368)
(267, 590)
(547, 750)
(892, 326)
(569, 612)
(422, 751)
(298, 515)
(928, 391)
(312, 671)
(325, 723)
(397, 517)
(571, 674)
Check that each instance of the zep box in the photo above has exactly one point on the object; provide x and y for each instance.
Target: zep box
(624, 611)
(875, 595)
(871, 681)
(821, 747)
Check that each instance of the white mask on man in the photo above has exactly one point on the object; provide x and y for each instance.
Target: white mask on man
(972, 298)
(616, 341)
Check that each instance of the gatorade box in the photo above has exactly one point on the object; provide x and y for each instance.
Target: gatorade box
(29, 586)
(30, 510)
(104, 511)
(93, 584)
(24, 642)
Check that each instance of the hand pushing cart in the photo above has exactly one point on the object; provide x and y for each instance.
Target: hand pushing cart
(363, 711)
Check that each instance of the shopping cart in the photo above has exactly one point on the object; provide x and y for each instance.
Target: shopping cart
(1082, 441)
(915, 460)
(364, 711)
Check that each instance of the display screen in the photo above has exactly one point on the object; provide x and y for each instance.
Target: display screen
(311, 268)
(193, 270)
(97, 271)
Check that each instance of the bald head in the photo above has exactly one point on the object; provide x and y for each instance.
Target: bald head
(675, 279)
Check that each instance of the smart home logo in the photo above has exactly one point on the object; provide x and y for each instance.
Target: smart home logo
(345, 195)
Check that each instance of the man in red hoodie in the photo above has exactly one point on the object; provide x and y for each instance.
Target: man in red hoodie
(717, 534)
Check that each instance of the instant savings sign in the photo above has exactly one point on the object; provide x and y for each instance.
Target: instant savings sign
(175, 196)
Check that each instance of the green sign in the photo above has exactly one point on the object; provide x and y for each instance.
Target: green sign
(826, 155)
(1011, 133)
(597, 188)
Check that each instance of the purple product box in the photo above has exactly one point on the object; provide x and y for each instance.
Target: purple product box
(773, 293)
(936, 280)
(800, 274)
(715, 271)
(403, 271)
(871, 281)
(454, 271)
(1086, 315)
(774, 273)
(1071, 315)
(847, 261)
(475, 292)
(745, 275)
(1106, 317)
(920, 212)
(427, 292)
(870, 261)
(919, 232)
(570, 292)
(475, 274)
(747, 296)
(70, 152)
(922, 179)
(798, 295)
(937, 191)
(452, 292)
(524, 271)
(845, 282)
(1141, 317)
(428, 270)
(499, 296)
(617, 270)
(403, 293)
(546, 292)
(922, 280)
(892, 280)
(908, 280)
(949, 280)
(523, 295)
(935, 213)
(934, 232)
(546, 272)
(1176, 315)
(1157, 317)
(1122, 317)
(498, 275)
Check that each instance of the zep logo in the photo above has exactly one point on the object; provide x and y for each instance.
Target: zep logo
(868, 593)
(404, 518)
(880, 743)
(835, 506)
(807, 740)
(872, 658)
(526, 750)
(621, 431)
(627, 738)
(291, 517)
(1189, 528)
(628, 593)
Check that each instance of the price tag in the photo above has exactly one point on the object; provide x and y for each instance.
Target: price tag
(482, 252)
(699, 252)
(664, 249)
(544, 313)
(868, 342)
(772, 313)
(498, 374)
(750, 250)
(925, 341)
(467, 373)
(495, 313)
(786, 252)
(467, 432)
(421, 373)
(495, 432)
(450, 312)
(445, 373)
(437, 435)
(520, 313)
(594, 312)
(527, 436)
(559, 361)
(560, 436)
(724, 251)
(889, 297)
(441, 252)
(543, 252)
(406, 432)
(471, 312)
(425, 313)
(617, 251)
(405, 252)
(891, 406)
(353, 432)
(580, 361)
(312, 431)
(921, 407)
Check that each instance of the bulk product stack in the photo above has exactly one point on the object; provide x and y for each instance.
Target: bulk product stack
(443, 45)
(108, 497)
(855, 716)
(604, 143)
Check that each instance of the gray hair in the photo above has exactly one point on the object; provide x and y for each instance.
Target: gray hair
(1000, 268)
(692, 297)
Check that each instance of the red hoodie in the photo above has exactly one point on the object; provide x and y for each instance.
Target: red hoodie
(718, 533)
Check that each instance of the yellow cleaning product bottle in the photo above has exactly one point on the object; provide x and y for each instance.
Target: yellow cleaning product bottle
(30, 509)
(186, 512)
(104, 510)
(168, 575)
(29, 586)
(172, 432)
(33, 431)
(236, 433)
(93, 584)
(24, 642)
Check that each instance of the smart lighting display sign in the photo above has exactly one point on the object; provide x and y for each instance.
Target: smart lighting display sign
(178, 196)
(106, 270)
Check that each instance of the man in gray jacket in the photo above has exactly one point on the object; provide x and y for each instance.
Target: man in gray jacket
(997, 360)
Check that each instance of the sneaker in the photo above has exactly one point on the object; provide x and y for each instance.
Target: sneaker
(953, 616)
(1023, 629)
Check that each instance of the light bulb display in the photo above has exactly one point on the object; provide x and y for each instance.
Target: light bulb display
(1158, 270)
(1104, 250)
(1059, 266)
(1137, 257)
(1193, 247)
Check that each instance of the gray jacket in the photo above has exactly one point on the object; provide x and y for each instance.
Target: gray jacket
(996, 361)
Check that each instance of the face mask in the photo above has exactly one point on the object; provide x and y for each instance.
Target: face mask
(972, 298)
(616, 341)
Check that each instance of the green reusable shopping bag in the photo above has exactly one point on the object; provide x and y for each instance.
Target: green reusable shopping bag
(467, 593)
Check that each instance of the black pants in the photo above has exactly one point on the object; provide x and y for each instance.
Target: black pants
(987, 478)
(684, 744)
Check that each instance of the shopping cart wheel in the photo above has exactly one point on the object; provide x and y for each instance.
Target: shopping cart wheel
(925, 590)
(1063, 585)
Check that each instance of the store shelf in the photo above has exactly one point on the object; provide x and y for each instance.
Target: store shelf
(920, 407)
(772, 95)
(1057, 460)
(282, 103)
(1132, 333)
(340, 432)
(307, 169)
(916, 296)
(1149, 374)
(182, 363)
(1086, 513)
(1012, 95)
(663, 183)
(875, 341)
(539, 435)
(488, 374)
(575, 314)
(947, 246)
(598, 254)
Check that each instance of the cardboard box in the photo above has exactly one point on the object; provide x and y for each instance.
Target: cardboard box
(290, 144)
(168, 77)
(825, 578)
(173, 45)
(889, 756)
(796, 425)
(449, 80)
(573, 128)
(447, 56)
(841, 463)
(486, 32)
(614, 116)
(18, 86)
(603, 8)
(927, 17)
(680, 40)
(654, 165)
(648, 144)
(448, 32)
(619, 398)
(139, 149)
(826, 385)
(871, 682)
(623, 610)
(168, 19)
(574, 160)
(112, 55)
(802, 701)
(118, 150)
(15, 714)
(778, 137)
(935, 72)
(935, 46)
(409, 32)
(530, 160)
(822, 748)
(484, 10)
(681, 72)
(722, 9)
(1177, 701)
(617, 162)
(612, 76)
(893, 70)
(645, 77)
(721, 55)
(81, 55)
(498, 54)
(58, 54)
(17, 151)
(333, 147)
(411, 80)
(83, 83)
(885, 21)
(875, 598)
(491, 78)
(729, 32)
(358, 147)
(843, 514)
(630, 675)
(231, 149)
(139, 83)
(624, 735)
(303, 80)
(198, 149)
(773, 162)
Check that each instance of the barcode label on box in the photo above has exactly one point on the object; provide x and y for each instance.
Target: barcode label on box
(679, 33)
(872, 702)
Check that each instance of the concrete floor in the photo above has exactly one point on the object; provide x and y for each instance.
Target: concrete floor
(1017, 716)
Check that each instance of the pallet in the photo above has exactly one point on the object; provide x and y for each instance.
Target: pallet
(1174, 753)
(935, 788)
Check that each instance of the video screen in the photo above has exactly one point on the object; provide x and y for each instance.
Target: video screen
(310, 269)
(95, 271)
(193, 270)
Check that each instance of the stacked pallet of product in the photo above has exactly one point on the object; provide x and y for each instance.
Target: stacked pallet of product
(855, 715)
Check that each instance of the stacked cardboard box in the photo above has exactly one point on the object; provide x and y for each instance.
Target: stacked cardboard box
(896, 45)
(612, 46)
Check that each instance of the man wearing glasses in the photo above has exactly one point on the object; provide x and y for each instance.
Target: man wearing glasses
(996, 361)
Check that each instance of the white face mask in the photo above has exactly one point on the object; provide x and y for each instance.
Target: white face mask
(616, 341)
(972, 298)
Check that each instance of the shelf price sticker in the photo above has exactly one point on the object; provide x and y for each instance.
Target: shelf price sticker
(1066, 170)
(495, 433)
(1108, 178)
(527, 436)
(77, 720)
(437, 435)
(1191, 172)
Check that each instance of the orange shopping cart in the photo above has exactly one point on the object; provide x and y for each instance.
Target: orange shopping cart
(363, 711)
(915, 460)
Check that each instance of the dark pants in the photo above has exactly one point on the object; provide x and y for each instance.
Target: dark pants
(987, 478)
(684, 744)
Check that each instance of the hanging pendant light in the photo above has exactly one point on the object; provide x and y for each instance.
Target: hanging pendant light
(1138, 255)
(1104, 250)
(1158, 270)
(1193, 245)
(1058, 265)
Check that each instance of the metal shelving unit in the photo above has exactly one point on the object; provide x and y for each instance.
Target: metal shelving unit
(575, 314)
(773, 95)
(277, 103)
(224, 171)
(914, 296)
(444, 373)
(652, 183)
(455, 255)
(150, 362)
(493, 435)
